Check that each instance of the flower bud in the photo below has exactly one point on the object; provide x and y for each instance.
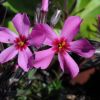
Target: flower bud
(45, 4)
(55, 18)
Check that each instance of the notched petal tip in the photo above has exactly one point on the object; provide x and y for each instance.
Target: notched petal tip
(8, 54)
(71, 27)
(6, 35)
(21, 23)
(83, 48)
(73, 75)
(68, 64)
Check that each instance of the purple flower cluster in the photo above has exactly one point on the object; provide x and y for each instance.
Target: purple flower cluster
(61, 44)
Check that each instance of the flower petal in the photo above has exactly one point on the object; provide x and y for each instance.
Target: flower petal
(60, 60)
(8, 54)
(28, 52)
(21, 23)
(23, 58)
(7, 36)
(71, 27)
(50, 34)
(68, 64)
(43, 58)
(83, 48)
(36, 38)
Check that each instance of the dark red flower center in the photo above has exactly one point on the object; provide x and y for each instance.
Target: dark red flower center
(60, 45)
(21, 42)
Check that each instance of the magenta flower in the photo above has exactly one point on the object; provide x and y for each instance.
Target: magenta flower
(45, 5)
(62, 45)
(20, 41)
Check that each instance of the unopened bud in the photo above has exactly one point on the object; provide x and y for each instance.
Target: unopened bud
(37, 14)
(45, 4)
(55, 18)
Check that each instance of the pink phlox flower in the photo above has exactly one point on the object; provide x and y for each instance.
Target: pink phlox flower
(20, 42)
(62, 45)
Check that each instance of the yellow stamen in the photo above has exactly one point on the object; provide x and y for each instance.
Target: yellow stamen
(61, 45)
(21, 43)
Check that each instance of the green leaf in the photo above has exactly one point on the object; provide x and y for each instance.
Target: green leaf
(21, 92)
(89, 15)
(22, 98)
(11, 26)
(94, 4)
(81, 4)
(31, 73)
(27, 6)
